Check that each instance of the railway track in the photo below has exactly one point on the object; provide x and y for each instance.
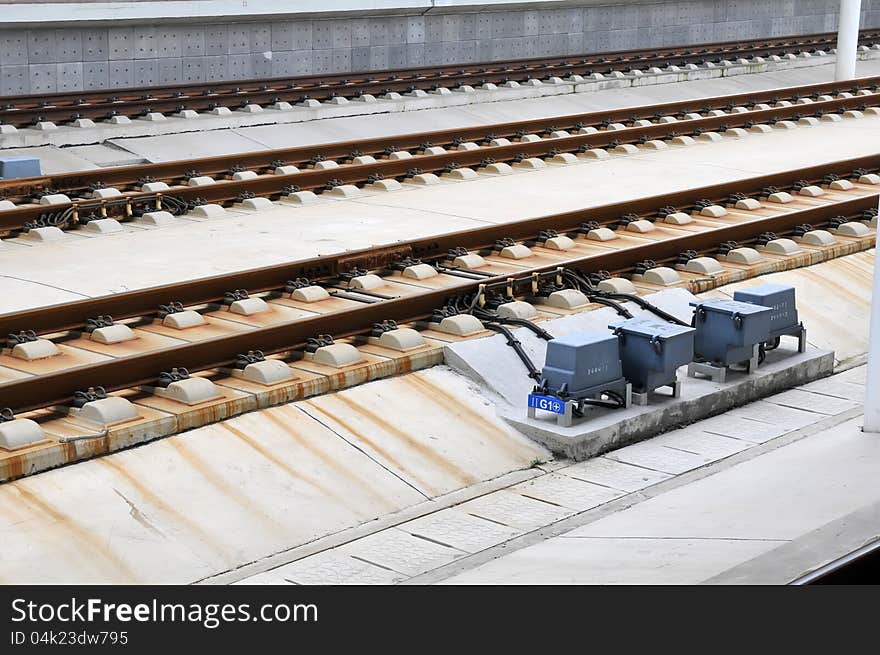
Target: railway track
(126, 193)
(22, 111)
(698, 238)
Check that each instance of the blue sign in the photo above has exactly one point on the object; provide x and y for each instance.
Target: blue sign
(546, 403)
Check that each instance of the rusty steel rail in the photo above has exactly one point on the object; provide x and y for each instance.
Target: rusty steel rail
(74, 315)
(126, 372)
(27, 110)
(228, 191)
(123, 176)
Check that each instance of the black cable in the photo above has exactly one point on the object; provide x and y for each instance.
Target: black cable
(514, 343)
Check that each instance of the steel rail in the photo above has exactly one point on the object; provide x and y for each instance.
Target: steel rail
(73, 315)
(26, 110)
(166, 171)
(226, 191)
(59, 387)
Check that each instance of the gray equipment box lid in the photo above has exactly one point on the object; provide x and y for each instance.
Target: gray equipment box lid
(730, 307)
(649, 328)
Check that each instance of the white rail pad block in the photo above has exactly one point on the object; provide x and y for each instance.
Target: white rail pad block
(595, 153)
(154, 187)
(107, 192)
(111, 334)
(345, 191)
(191, 391)
(44, 234)
(678, 218)
(33, 350)
(743, 256)
(516, 251)
(156, 219)
(20, 433)
(782, 197)
(782, 247)
(267, 372)
(462, 174)
(748, 204)
(366, 282)
(601, 234)
(561, 242)
(818, 238)
(460, 325)
(106, 411)
(853, 229)
(530, 163)
(420, 272)
(713, 211)
(471, 260)
(208, 211)
(256, 204)
(811, 191)
(841, 185)
(182, 320)
(338, 355)
(385, 185)
(104, 226)
(704, 266)
(312, 293)
(402, 339)
(517, 309)
(566, 299)
(616, 285)
(54, 199)
(302, 197)
(640, 226)
(661, 276)
(249, 306)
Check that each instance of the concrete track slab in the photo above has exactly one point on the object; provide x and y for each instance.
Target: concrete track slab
(190, 145)
(470, 445)
(301, 126)
(53, 160)
(149, 257)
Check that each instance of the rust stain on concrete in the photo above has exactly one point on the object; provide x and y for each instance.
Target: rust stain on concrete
(78, 535)
(277, 461)
(427, 487)
(325, 458)
(501, 437)
(156, 501)
(224, 487)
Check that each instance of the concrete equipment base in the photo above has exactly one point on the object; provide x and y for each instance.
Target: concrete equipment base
(699, 399)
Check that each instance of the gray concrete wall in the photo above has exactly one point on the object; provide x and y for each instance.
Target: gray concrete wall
(59, 59)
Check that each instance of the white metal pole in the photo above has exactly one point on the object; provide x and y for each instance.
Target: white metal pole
(872, 391)
(847, 39)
